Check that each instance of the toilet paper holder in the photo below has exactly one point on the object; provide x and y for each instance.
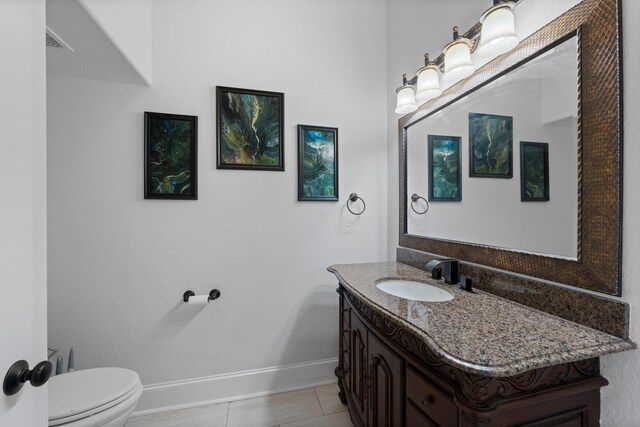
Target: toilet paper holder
(214, 294)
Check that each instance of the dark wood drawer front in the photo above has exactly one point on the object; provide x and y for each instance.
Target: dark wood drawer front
(416, 418)
(431, 401)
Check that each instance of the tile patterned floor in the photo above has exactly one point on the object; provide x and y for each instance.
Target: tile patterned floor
(311, 407)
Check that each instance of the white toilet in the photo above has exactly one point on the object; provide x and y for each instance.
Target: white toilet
(93, 397)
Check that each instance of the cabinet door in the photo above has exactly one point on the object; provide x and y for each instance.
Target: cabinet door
(358, 371)
(386, 385)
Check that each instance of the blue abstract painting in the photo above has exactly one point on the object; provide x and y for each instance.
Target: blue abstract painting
(444, 168)
(317, 163)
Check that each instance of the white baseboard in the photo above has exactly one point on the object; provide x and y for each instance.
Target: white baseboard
(235, 386)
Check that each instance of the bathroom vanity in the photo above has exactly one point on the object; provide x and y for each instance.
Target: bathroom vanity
(476, 360)
(532, 357)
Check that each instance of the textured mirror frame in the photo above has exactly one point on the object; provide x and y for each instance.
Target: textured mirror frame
(597, 24)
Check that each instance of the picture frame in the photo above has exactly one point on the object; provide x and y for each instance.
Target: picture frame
(534, 171)
(317, 163)
(170, 156)
(445, 180)
(250, 129)
(490, 146)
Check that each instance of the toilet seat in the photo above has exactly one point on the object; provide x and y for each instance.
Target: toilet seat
(84, 393)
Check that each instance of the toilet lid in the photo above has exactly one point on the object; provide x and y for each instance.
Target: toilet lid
(87, 390)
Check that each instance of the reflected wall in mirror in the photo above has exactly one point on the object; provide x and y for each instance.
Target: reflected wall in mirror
(561, 87)
(538, 101)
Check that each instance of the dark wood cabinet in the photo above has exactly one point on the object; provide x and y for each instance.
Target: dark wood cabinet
(390, 378)
(372, 375)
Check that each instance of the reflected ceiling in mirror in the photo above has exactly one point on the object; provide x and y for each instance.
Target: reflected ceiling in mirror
(539, 100)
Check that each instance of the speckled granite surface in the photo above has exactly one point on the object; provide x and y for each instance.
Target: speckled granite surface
(478, 332)
(603, 314)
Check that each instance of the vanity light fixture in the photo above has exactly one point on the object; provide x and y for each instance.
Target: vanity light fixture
(457, 59)
(428, 84)
(494, 35)
(498, 30)
(406, 99)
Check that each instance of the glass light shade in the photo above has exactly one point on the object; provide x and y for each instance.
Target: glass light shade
(428, 86)
(498, 31)
(406, 100)
(457, 61)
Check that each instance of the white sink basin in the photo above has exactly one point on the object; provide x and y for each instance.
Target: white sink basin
(414, 290)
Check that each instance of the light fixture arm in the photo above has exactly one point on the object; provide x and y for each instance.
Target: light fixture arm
(409, 82)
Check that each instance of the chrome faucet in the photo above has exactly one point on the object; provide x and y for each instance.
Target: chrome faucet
(450, 266)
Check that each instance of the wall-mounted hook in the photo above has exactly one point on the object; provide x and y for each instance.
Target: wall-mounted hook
(353, 197)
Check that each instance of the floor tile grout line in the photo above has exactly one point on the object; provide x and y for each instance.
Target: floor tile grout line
(315, 390)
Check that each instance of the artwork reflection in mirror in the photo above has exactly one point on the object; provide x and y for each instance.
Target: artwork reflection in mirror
(539, 102)
(534, 171)
(490, 146)
(444, 168)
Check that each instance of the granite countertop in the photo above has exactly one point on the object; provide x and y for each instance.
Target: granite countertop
(478, 332)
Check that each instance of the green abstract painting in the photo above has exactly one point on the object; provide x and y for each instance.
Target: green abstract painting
(444, 168)
(250, 129)
(534, 171)
(317, 163)
(170, 156)
(490, 146)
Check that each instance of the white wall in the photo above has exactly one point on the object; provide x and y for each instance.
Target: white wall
(619, 399)
(23, 228)
(119, 264)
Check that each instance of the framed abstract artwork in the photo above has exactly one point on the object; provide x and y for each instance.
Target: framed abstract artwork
(534, 171)
(317, 163)
(170, 156)
(490, 146)
(445, 183)
(250, 129)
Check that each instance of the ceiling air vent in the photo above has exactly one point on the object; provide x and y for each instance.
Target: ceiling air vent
(51, 42)
(54, 41)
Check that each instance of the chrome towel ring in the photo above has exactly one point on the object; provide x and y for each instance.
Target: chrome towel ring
(415, 198)
(353, 197)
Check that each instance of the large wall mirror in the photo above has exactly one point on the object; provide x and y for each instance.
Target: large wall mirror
(521, 162)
